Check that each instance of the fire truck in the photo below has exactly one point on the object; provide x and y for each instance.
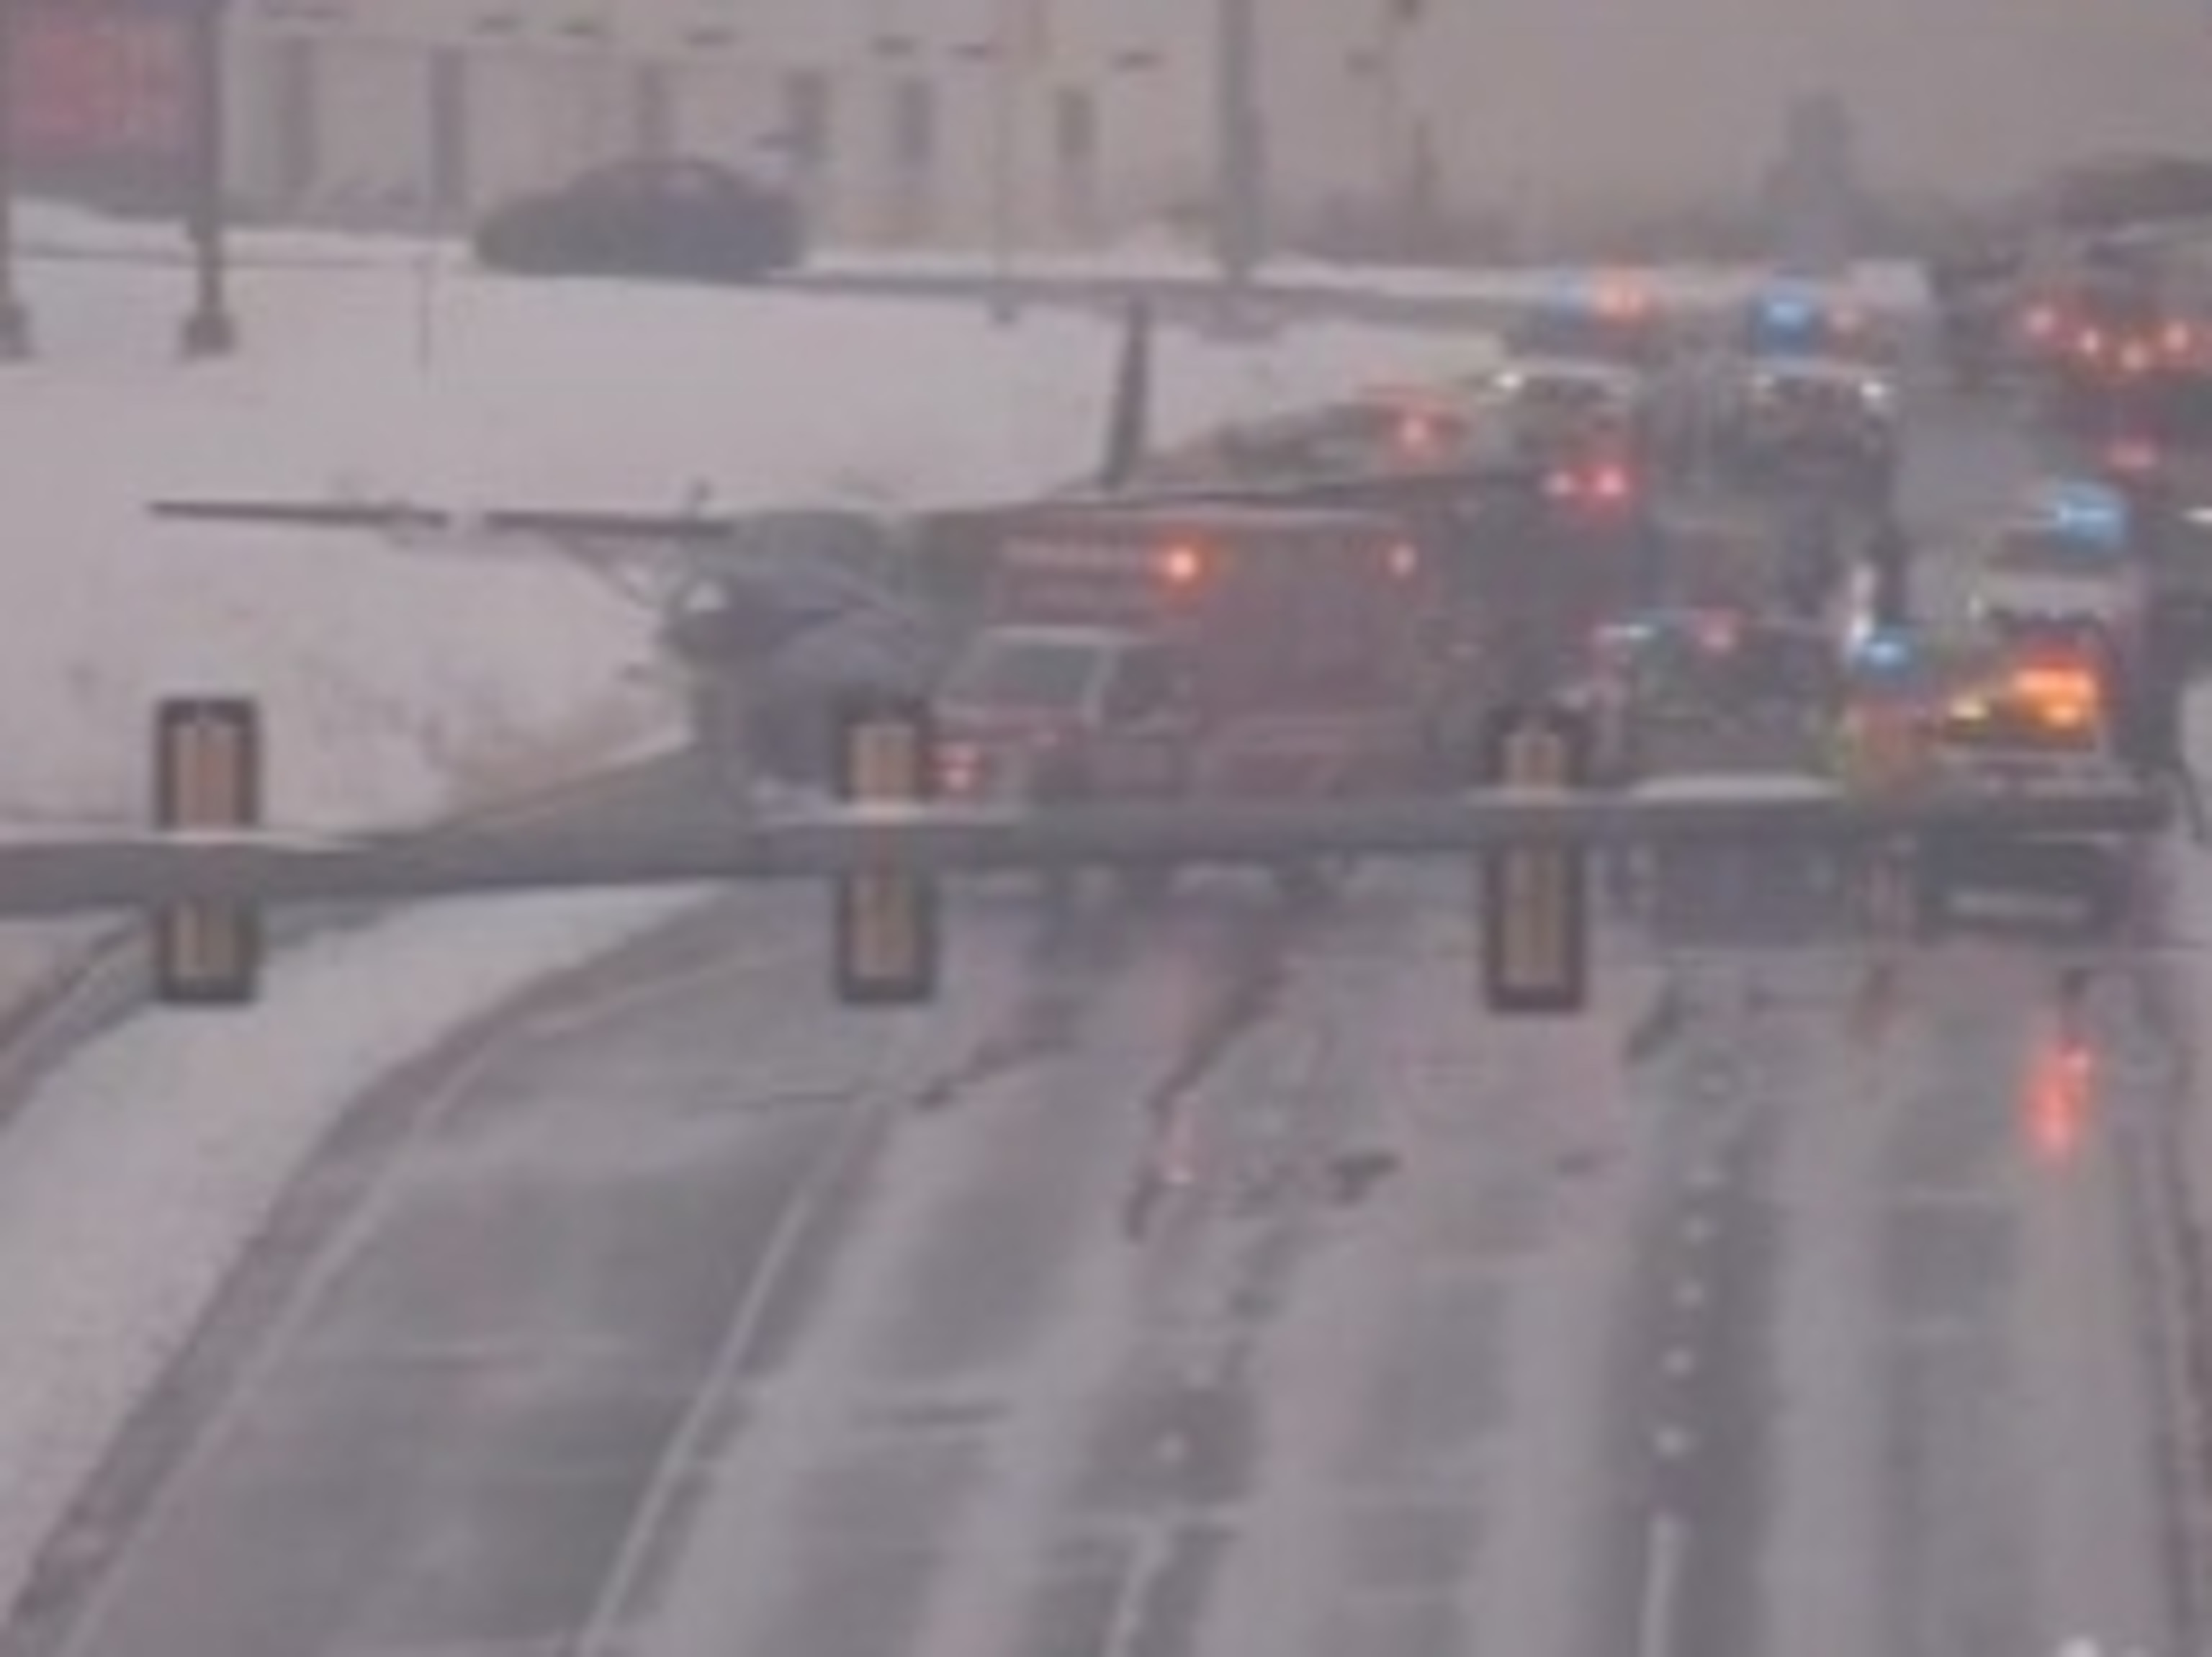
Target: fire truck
(1146, 652)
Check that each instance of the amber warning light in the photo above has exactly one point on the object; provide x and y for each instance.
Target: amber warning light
(885, 925)
(1534, 904)
(207, 775)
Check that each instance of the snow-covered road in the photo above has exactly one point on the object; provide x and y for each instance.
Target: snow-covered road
(1746, 1314)
(1213, 1281)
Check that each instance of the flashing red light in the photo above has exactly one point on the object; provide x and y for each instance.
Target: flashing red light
(2132, 457)
(1182, 566)
(2040, 322)
(2179, 339)
(2061, 1093)
(1402, 560)
(2091, 343)
(1610, 485)
(1417, 433)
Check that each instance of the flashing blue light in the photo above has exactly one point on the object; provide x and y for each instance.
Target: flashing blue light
(1571, 296)
(2088, 513)
(1788, 313)
(1882, 650)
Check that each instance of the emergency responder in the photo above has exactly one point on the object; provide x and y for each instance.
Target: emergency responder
(1810, 560)
(1879, 750)
(1888, 558)
(1653, 555)
(2152, 723)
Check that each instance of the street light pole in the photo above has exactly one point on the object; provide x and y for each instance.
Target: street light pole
(1239, 205)
(14, 316)
(210, 330)
(1003, 70)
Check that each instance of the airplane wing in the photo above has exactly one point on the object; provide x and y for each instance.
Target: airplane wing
(813, 558)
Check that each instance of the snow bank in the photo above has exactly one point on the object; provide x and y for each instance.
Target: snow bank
(134, 1183)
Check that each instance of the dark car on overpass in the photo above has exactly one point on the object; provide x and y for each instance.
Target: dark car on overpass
(668, 218)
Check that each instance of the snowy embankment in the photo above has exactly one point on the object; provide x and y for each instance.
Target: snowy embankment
(398, 687)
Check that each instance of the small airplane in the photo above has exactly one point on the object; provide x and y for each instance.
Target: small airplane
(824, 599)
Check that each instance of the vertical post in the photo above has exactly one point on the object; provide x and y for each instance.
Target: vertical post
(210, 329)
(14, 317)
(1238, 186)
(1389, 120)
(1004, 91)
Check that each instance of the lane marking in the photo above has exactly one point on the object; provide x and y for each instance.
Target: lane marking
(1690, 1294)
(619, 1000)
(1674, 1443)
(278, 1340)
(1665, 1544)
(1700, 1227)
(688, 1448)
(1679, 1360)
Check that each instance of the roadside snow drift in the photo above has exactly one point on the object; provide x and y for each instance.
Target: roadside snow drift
(136, 1180)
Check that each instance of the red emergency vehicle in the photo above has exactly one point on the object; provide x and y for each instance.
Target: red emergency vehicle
(1150, 652)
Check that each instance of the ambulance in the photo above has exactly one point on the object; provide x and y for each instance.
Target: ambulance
(1142, 651)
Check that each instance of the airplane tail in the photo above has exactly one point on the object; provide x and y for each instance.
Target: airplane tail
(1129, 417)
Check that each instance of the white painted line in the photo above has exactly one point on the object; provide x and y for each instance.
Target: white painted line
(685, 1452)
(1709, 1176)
(620, 1000)
(1700, 1227)
(1691, 1294)
(1679, 1360)
(1674, 1443)
(1667, 1542)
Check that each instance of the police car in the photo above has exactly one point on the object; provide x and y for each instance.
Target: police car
(2180, 582)
(1712, 690)
(2037, 719)
(1809, 418)
(1555, 404)
(2062, 563)
(1600, 319)
(1786, 321)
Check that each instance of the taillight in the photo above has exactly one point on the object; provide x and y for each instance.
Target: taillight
(1607, 485)
(1180, 566)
